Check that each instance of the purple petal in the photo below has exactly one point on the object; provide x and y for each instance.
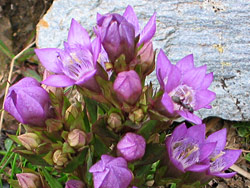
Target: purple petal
(58, 81)
(197, 132)
(220, 137)
(96, 48)
(179, 132)
(174, 79)
(78, 35)
(190, 117)
(207, 81)
(203, 98)
(224, 175)
(100, 177)
(131, 17)
(198, 168)
(127, 33)
(10, 107)
(148, 31)
(230, 157)
(31, 110)
(26, 82)
(207, 149)
(195, 77)
(163, 68)
(167, 103)
(186, 63)
(49, 58)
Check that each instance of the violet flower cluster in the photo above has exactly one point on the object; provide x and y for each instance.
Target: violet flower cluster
(111, 69)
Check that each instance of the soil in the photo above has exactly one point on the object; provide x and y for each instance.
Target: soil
(18, 19)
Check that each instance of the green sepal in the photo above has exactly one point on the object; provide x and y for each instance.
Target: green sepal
(67, 148)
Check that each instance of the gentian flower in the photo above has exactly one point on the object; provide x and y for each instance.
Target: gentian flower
(131, 147)
(111, 172)
(76, 64)
(128, 86)
(118, 33)
(221, 159)
(185, 87)
(28, 102)
(187, 148)
(74, 184)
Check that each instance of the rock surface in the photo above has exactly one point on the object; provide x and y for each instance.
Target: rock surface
(216, 32)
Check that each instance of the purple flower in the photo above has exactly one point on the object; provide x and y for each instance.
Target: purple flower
(28, 102)
(111, 172)
(185, 87)
(118, 33)
(76, 64)
(74, 184)
(131, 146)
(128, 86)
(187, 148)
(220, 159)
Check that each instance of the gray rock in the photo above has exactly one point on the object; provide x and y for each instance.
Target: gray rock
(216, 32)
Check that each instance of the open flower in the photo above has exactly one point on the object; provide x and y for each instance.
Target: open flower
(221, 159)
(185, 87)
(76, 64)
(118, 32)
(128, 86)
(111, 172)
(28, 102)
(187, 148)
(131, 147)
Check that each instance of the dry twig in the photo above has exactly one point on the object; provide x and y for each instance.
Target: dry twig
(240, 171)
(9, 78)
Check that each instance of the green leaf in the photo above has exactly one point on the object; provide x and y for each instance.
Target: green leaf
(153, 153)
(86, 120)
(5, 50)
(76, 161)
(8, 143)
(88, 175)
(91, 108)
(247, 157)
(147, 129)
(33, 74)
(14, 183)
(51, 181)
(99, 147)
(100, 128)
(14, 138)
(31, 157)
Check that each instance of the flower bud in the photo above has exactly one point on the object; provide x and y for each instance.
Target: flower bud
(29, 140)
(131, 147)
(77, 138)
(59, 158)
(137, 115)
(28, 102)
(145, 58)
(128, 86)
(74, 184)
(115, 121)
(28, 180)
(117, 35)
(111, 172)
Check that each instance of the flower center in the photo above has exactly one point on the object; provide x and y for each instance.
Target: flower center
(217, 163)
(76, 62)
(186, 151)
(183, 98)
